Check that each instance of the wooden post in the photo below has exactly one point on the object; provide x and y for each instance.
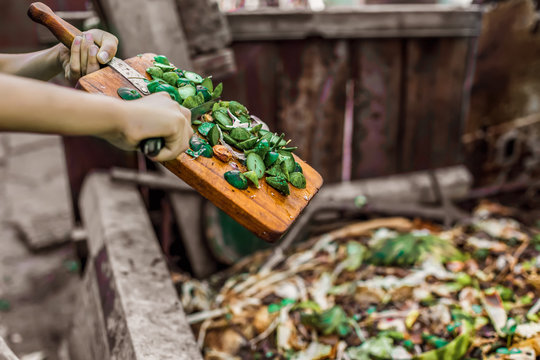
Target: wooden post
(128, 308)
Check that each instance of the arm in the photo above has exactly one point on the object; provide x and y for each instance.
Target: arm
(83, 58)
(28, 105)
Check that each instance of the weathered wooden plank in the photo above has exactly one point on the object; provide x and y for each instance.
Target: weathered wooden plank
(142, 317)
(311, 100)
(372, 21)
(378, 67)
(433, 118)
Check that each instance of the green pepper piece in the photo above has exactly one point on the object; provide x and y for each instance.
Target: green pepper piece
(252, 176)
(205, 128)
(236, 179)
(214, 135)
(194, 77)
(297, 180)
(298, 168)
(229, 140)
(207, 83)
(222, 117)
(186, 91)
(155, 72)
(196, 122)
(191, 101)
(244, 119)
(196, 143)
(255, 163)
(289, 163)
(262, 148)
(171, 78)
(237, 108)
(128, 93)
(162, 59)
(200, 96)
(279, 184)
(290, 149)
(284, 170)
(255, 130)
(217, 91)
(247, 144)
(206, 151)
(275, 170)
(152, 85)
(171, 90)
(192, 153)
(270, 158)
(164, 68)
(183, 81)
(240, 134)
(205, 92)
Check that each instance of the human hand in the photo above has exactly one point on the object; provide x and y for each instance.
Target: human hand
(85, 56)
(154, 116)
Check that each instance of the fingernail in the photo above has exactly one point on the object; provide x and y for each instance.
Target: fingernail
(89, 37)
(77, 40)
(93, 50)
(104, 56)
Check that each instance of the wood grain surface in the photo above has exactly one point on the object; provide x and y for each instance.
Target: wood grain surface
(264, 211)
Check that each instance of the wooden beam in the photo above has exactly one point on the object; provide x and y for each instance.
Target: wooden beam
(128, 308)
(371, 21)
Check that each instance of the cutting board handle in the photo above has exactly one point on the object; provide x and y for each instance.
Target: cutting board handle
(61, 29)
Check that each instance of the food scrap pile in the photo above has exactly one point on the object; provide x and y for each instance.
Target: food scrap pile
(226, 130)
(379, 289)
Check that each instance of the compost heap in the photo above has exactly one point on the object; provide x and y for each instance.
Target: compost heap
(381, 289)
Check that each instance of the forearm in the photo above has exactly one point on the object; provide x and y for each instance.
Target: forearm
(40, 65)
(33, 106)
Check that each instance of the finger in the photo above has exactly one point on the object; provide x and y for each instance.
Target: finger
(93, 64)
(164, 155)
(108, 45)
(75, 59)
(87, 41)
(185, 112)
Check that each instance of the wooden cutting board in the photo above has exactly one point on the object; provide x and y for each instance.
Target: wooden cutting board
(263, 211)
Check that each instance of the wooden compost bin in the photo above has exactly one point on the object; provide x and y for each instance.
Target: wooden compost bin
(366, 91)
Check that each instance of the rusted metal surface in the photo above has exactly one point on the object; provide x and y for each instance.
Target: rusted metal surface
(128, 306)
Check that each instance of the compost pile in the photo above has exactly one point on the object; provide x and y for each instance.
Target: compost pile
(226, 130)
(380, 289)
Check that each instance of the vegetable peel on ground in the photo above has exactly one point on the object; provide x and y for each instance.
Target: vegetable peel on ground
(329, 297)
